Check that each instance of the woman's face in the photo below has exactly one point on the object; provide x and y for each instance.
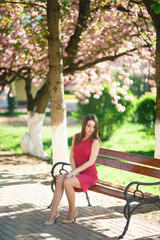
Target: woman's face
(90, 127)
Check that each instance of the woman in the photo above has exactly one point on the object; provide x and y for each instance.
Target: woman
(83, 154)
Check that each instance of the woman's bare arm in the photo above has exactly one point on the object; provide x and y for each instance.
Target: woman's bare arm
(72, 159)
(90, 162)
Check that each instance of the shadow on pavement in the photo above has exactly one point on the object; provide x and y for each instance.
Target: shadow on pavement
(25, 222)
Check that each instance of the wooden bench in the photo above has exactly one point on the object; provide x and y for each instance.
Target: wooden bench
(131, 193)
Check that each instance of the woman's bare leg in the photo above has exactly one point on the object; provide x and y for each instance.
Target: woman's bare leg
(69, 185)
(58, 193)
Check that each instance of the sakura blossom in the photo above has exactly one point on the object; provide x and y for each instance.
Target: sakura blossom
(25, 44)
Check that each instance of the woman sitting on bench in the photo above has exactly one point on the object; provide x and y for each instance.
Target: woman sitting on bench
(83, 154)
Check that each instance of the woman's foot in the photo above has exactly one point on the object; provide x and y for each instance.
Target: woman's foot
(47, 223)
(71, 220)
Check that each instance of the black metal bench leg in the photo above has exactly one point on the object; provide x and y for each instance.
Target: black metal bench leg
(127, 214)
(125, 228)
(49, 205)
(87, 197)
(52, 184)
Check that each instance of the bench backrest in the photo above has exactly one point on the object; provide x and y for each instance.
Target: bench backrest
(129, 162)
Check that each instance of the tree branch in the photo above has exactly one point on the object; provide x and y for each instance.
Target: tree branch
(72, 47)
(9, 72)
(71, 70)
(42, 98)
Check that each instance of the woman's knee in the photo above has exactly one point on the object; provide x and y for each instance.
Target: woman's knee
(71, 182)
(60, 180)
(66, 182)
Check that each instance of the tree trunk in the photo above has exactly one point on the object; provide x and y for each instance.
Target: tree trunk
(157, 125)
(32, 142)
(56, 86)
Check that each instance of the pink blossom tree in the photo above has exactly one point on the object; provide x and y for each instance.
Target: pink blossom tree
(92, 32)
(24, 53)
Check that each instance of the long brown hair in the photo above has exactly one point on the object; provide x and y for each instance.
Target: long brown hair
(87, 118)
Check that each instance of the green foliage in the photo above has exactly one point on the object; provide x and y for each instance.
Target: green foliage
(17, 113)
(130, 115)
(146, 112)
(156, 6)
(131, 137)
(10, 137)
(139, 86)
(128, 138)
(106, 111)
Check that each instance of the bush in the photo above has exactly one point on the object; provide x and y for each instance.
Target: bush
(109, 118)
(146, 112)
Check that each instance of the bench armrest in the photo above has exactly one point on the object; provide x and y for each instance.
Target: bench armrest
(139, 195)
(62, 168)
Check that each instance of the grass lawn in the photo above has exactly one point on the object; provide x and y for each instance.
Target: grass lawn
(128, 138)
(10, 137)
(131, 138)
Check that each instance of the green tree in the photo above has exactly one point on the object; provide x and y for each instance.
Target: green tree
(146, 112)
(109, 118)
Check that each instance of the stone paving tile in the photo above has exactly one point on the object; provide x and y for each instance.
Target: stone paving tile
(23, 209)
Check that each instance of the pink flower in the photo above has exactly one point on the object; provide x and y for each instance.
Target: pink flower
(153, 89)
(120, 108)
(96, 96)
(128, 98)
(86, 101)
(11, 95)
(114, 101)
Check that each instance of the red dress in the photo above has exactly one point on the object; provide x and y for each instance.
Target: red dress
(89, 176)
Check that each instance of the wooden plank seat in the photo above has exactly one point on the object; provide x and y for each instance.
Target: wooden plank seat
(131, 193)
(115, 190)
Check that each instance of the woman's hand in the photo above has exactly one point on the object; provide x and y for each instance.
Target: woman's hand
(72, 173)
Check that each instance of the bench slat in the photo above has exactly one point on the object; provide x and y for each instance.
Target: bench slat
(117, 191)
(155, 162)
(129, 167)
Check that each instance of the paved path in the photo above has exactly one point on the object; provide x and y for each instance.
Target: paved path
(25, 193)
